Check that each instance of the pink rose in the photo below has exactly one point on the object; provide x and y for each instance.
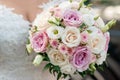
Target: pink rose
(72, 18)
(107, 36)
(39, 41)
(82, 58)
(84, 36)
(71, 51)
(63, 48)
(54, 43)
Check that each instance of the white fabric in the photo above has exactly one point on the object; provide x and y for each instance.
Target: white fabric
(15, 64)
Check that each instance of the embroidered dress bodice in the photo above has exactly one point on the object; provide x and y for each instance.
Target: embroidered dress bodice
(15, 64)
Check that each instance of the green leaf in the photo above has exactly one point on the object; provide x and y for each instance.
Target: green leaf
(54, 23)
(54, 71)
(81, 4)
(46, 58)
(58, 19)
(59, 75)
(29, 48)
(57, 68)
(109, 25)
(65, 75)
(82, 74)
(28, 41)
(47, 66)
(50, 70)
(71, 1)
(92, 67)
(89, 31)
(89, 5)
(34, 29)
(95, 18)
(82, 26)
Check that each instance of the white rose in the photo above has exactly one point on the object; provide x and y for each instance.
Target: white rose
(99, 23)
(68, 5)
(57, 58)
(71, 37)
(102, 58)
(54, 32)
(41, 21)
(88, 19)
(68, 69)
(96, 40)
(84, 10)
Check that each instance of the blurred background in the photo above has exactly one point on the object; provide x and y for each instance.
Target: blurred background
(109, 9)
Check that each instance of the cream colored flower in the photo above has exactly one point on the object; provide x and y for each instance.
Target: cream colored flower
(57, 58)
(71, 37)
(96, 41)
(68, 5)
(102, 58)
(68, 69)
(41, 21)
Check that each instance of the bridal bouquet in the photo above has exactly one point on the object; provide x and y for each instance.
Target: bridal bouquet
(71, 37)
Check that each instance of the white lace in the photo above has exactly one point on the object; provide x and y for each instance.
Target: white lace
(15, 64)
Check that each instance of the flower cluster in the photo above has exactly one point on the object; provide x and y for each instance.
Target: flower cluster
(71, 35)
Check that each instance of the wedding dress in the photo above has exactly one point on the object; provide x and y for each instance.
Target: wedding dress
(15, 64)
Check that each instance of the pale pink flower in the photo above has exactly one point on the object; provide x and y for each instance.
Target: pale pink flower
(62, 48)
(84, 36)
(54, 43)
(96, 40)
(41, 20)
(39, 41)
(107, 36)
(72, 18)
(71, 51)
(57, 12)
(82, 58)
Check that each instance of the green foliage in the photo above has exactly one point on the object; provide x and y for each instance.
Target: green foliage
(46, 58)
(28, 41)
(87, 72)
(81, 3)
(70, 0)
(89, 31)
(53, 23)
(59, 75)
(55, 70)
(83, 27)
(92, 69)
(101, 67)
(87, 2)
